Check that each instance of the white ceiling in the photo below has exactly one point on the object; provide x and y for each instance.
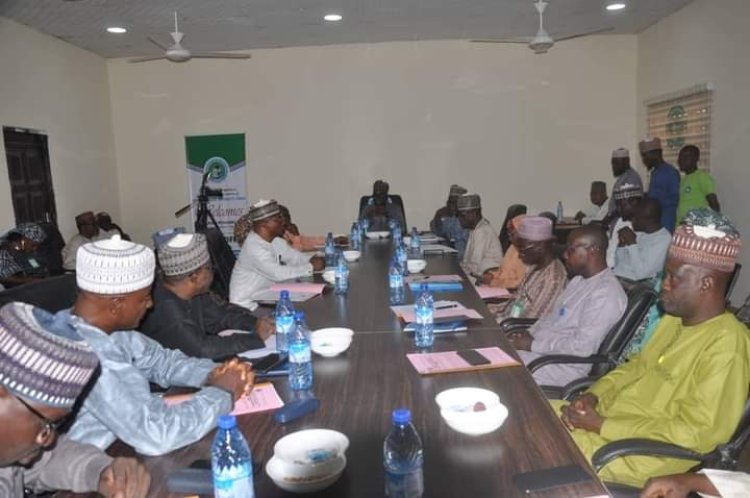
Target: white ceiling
(249, 24)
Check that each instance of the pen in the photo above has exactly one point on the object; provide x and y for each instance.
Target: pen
(447, 306)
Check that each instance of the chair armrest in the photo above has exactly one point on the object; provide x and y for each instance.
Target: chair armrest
(574, 388)
(569, 359)
(643, 447)
(512, 324)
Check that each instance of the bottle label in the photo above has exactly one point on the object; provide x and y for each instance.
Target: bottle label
(424, 316)
(234, 482)
(284, 324)
(516, 310)
(299, 353)
(404, 484)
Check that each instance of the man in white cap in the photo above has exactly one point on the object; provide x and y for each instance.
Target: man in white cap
(642, 250)
(114, 280)
(266, 258)
(626, 198)
(445, 222)
(546, 277)
(664, 185)
(689, 384)
(44, 368)
(188, 316)
(599, 204)
(483, 250)
(588, 308)
(623, 174)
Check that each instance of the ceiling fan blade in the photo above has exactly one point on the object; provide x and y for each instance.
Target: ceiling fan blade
(587, 33)
(219, 55)
(146, 59)
(157, 44)
(524, 41)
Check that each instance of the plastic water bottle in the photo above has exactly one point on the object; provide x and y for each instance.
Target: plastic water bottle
(395, 283)
(397, 235)
(355, 237)
(341, 275)
(231, 462)
(301, 324)
(559, 211)
(416, 244)
(364, 223)
(284, 321)
(402, 257)
(424, 335)
(330, 251)
(300, 357)
(402, 458)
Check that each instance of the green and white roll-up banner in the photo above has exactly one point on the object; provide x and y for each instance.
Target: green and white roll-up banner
(223, 156)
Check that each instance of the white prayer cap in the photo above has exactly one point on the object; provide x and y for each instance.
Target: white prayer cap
(114, 266)
(620, 153)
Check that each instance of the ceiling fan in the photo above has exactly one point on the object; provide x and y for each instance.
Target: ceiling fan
(542, 42)
(177, 53)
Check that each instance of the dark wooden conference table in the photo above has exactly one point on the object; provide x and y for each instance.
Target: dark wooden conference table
(359, 389)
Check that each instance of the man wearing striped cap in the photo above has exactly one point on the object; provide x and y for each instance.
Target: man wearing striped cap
(626, 197)
(689, 384)
(44, 367)
(114, 279)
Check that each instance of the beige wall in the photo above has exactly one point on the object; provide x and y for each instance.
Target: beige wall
(323, 122)
(704, 42)
(52, 86)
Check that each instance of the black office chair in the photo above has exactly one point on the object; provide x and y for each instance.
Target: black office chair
(52, 294)
(640, 298)
(724, 456)
(733, 280)
(223, 260)
(395, 199)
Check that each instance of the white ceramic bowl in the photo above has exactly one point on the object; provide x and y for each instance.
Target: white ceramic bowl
(329, 276)
(457, 407)
(352, 256)
(415, 265)
(277, 470)
(378, 235)
(331, 342)
(311, 447)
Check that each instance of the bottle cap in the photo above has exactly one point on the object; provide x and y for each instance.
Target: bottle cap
(424, 287)
(227, 422)
(400, 416)
(299, 315)
(285, 294)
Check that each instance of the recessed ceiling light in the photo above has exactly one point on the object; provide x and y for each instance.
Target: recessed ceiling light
(333, 17)
(118, 30)
(616, 5)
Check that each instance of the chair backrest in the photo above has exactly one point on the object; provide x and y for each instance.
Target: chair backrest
(733, 280)
(640, 298)
(52, 294)
(727, 455)
(395, 199)
(223, 260)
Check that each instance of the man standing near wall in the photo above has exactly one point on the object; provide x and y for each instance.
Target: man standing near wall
(697, 188)
(665, 181)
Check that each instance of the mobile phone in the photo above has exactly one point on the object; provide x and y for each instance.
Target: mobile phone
(268, 363)
(555, 477)
(473, 357)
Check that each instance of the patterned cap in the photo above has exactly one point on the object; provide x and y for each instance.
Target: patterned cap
(8, 264)
(456, 190)
(263, 209)
(31, 231)
(627, 191)
(114, 266)
(707, 239)
(183, 254)
(621, 153)
(649, 144)
(42, 358)
(469, 202)
(535, 228)
(242, 227)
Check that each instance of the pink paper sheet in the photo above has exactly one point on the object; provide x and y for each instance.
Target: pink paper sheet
(432, 278)
(486, 292)
(410, 315)
(449, 361)
(262, 398)
(301, 287)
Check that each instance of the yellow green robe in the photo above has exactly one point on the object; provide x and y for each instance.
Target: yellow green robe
(688, 387)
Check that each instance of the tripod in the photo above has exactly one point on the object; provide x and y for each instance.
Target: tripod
(203, 214)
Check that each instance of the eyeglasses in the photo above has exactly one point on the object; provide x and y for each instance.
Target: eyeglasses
(50, 426)
(576, 246)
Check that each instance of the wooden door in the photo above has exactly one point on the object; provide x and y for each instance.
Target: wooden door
(30, 178)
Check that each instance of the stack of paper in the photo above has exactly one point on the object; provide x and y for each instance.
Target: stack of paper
(450, 361)
(298, 292)
(445, 311)
(437, 248)
(432, 278)
(486, 292)
(262, 398)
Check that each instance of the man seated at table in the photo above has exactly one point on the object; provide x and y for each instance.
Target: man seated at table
(266, 258)
(188, 316)
(114, 280)
(689, 384)
(599, 205)
(512, 269)
(483, 250)
(36, 398)
(20, 261)
(546, 277)
(445, 222)
(380, 209)
(626, 197)
(706, 482)
(109, 227)
(587, 309)
(88, 231)
(642, 250)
